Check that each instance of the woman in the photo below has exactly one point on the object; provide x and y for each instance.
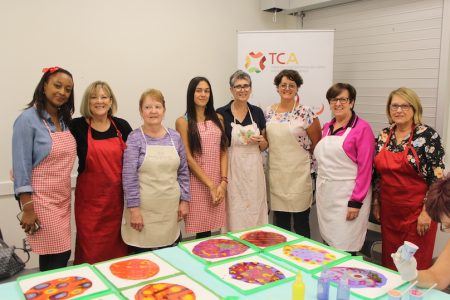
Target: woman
(204, 139)
(293, 131)
(98, 195)
(155, 180)
(409, 158)
(438, 208)
(344, 159)
(245, 127)
(43, 155)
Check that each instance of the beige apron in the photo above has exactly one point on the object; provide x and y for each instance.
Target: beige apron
(160, 198)
(289, 167)
(247, 198)
(335, 183)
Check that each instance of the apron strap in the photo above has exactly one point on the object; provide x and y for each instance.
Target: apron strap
(46, 125)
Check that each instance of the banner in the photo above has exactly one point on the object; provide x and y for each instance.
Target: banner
(263, 54)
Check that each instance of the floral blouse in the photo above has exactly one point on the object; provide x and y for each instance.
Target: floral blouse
(426, 142)
(305, 116)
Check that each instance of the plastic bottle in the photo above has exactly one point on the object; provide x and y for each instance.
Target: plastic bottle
(298, 288)
(323, 285)
(343, 290)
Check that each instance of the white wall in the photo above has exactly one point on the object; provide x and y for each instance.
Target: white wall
(133, 45)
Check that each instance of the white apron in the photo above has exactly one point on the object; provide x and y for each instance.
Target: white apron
(290, 186)
(160, 198)
(247, 198)
(335, 183)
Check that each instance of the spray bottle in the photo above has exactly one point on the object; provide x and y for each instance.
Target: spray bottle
(298, 288)
(343, 290)
(323, 285)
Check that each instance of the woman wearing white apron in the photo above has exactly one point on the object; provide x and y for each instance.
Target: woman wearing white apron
(155, 179)
(344, 158)
(292, 131)
(44, 151)
(245, 129)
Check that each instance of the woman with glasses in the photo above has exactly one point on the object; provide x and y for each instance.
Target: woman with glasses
(155, 180)
(344, 159)
(293, 131)
(43, 153)
(245, 127)
(98, 195)
(438, 208)
(409, 158)
(204, 139)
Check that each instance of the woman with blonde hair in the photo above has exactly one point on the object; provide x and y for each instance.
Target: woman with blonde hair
(98, 195)
(409, 158)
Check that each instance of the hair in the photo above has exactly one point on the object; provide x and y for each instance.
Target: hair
(240, 75)
(154, 94)
(39, 99)
(92, 90)
(210, 114)
(338, 88)
(289, 74)
(409, 96)
(437, 204)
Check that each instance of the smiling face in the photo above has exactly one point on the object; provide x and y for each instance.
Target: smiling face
(287, 89)
(57, 89)
(152, 111)
(241, 90)
(201, 95)
(341, 106)
(401, 111)
(100, 103)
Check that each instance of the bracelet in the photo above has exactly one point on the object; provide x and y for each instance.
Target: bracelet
(25, 204)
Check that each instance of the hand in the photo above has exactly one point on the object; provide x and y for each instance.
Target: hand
(352, 213)
(407, 269)
(256, 139)
(213, 192)
(376, 212)
(221, 191)
(29, 221)
(136, 220)
(183, 210)
(423, 223)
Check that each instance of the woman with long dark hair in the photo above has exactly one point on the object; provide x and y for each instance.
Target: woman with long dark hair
(44, 151)
(201, 130)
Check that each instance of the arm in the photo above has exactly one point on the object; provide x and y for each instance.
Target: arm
(130, 179)
(182, 127)
(438, 273)
(222, 188)
(314, 133)
(379, 142)
(183, 180)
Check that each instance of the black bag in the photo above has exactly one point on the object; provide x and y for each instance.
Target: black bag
(10, 263)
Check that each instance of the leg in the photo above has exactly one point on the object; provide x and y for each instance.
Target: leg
(282, 219)
(53, 261)
(205, 234)
(301, 223)
(137, 250)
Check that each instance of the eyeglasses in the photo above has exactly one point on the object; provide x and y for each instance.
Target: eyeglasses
(341, 100)
(102, 98)
(244, 87)
(403, 107)
(285, 86)
(445, 227)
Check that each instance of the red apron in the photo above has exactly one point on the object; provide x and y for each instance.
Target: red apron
(402, 191)
(99, 201)
(50, 180)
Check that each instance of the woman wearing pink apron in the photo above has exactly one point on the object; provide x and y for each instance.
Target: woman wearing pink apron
(204, 139)
(99, 194)
(44, 151)
(245, 129)
(409, 158)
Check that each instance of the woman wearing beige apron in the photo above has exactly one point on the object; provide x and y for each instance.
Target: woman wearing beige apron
(155, 179)
(344, 158)
(292, 131)
(44, 151)
(245, 129)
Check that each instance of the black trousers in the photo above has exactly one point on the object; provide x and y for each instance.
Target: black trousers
(204, 234)
(53, 261)
(137, 250)
(301, 221)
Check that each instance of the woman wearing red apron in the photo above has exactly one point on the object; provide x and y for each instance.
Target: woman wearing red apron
(409, 158)
(43, 157)
(99, 195)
